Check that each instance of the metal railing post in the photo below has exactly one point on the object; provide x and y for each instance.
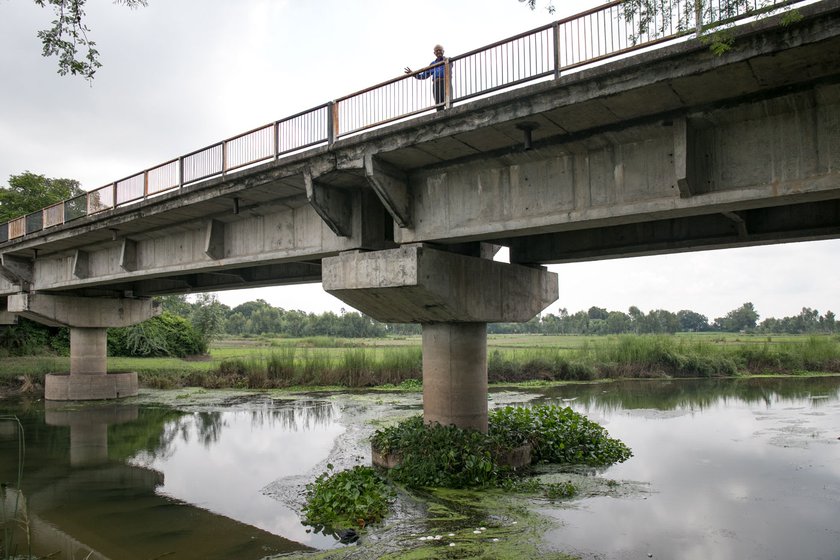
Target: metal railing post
(276, 140)
(181, 172)
(332, 123)
(224, 157)
(447, 83)
(556, 32)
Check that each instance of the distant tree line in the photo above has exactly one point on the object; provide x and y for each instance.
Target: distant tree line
(598, 321)
(255, 318)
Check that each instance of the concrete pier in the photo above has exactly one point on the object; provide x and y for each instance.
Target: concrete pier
(88, 320)
(455, 374)
(453, 296)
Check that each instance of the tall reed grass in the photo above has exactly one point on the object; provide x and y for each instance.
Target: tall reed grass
(288, 366)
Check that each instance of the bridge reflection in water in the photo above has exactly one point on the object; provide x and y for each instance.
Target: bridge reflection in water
(129, 483)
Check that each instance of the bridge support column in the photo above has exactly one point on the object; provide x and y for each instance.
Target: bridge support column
(88, 320)
(455, 374)
(88, 351)
(453, 296)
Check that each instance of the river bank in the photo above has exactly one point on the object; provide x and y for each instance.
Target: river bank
(393, 362)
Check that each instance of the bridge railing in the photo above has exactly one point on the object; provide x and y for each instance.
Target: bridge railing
(611, 30)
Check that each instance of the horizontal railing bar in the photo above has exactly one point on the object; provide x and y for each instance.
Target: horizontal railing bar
(253, 130)
(388, 82)
(589, 12)
(386, 121)
(302, 113)
(247, 163)
(505, 85)
(510, 39)
(204, 149)
(303, 147)
(202, 177)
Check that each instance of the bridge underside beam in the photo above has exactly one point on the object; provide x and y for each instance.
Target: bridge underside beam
(453, 296)
(796, 222)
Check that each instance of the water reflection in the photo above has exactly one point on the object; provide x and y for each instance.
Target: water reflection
(695, 394)
(736, 469)
(222, 460)
(122, 481)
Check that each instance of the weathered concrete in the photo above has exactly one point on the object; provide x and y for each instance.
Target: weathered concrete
(455, 374)
(420, 284)
(88, 320)
(453, 296)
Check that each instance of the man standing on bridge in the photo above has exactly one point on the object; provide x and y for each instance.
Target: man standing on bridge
(438, 75)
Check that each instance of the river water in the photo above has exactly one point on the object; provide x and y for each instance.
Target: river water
(722, 469)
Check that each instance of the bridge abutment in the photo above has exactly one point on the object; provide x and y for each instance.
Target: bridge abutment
(88, 320)
(453, 296)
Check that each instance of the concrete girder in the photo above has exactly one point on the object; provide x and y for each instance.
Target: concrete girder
(17, 270)
(214, 240)
(333, 204)
(391, 186)
(792, 222)
(128, 255)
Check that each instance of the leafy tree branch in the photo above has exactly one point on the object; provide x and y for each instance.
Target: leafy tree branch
(67, 38)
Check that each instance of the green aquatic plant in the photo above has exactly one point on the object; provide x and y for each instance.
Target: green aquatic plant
(449, 457)
(439, 456)
(356, 497)
(557, 435)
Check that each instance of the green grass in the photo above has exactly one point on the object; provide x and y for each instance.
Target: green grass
(274, 362)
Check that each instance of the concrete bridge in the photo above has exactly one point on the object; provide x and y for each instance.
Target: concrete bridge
(398, 209)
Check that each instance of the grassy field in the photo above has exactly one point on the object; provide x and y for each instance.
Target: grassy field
(279, 362)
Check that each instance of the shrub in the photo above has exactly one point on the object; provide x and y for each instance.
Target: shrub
(164, 335)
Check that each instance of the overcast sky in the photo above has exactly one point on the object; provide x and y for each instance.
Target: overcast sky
(179, 75)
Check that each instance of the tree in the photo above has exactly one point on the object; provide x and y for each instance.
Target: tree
(691, 321)
(597, 313)
(175, 304)
(618, 322)
(29, 192)
(533, 5)
(741, 319)
(657, 18)
(207, 318)
(68, 37)
(709, 19)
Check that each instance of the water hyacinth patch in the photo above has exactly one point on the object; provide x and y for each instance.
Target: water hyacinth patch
(352, 498)
(557, 435)
(448, 457)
